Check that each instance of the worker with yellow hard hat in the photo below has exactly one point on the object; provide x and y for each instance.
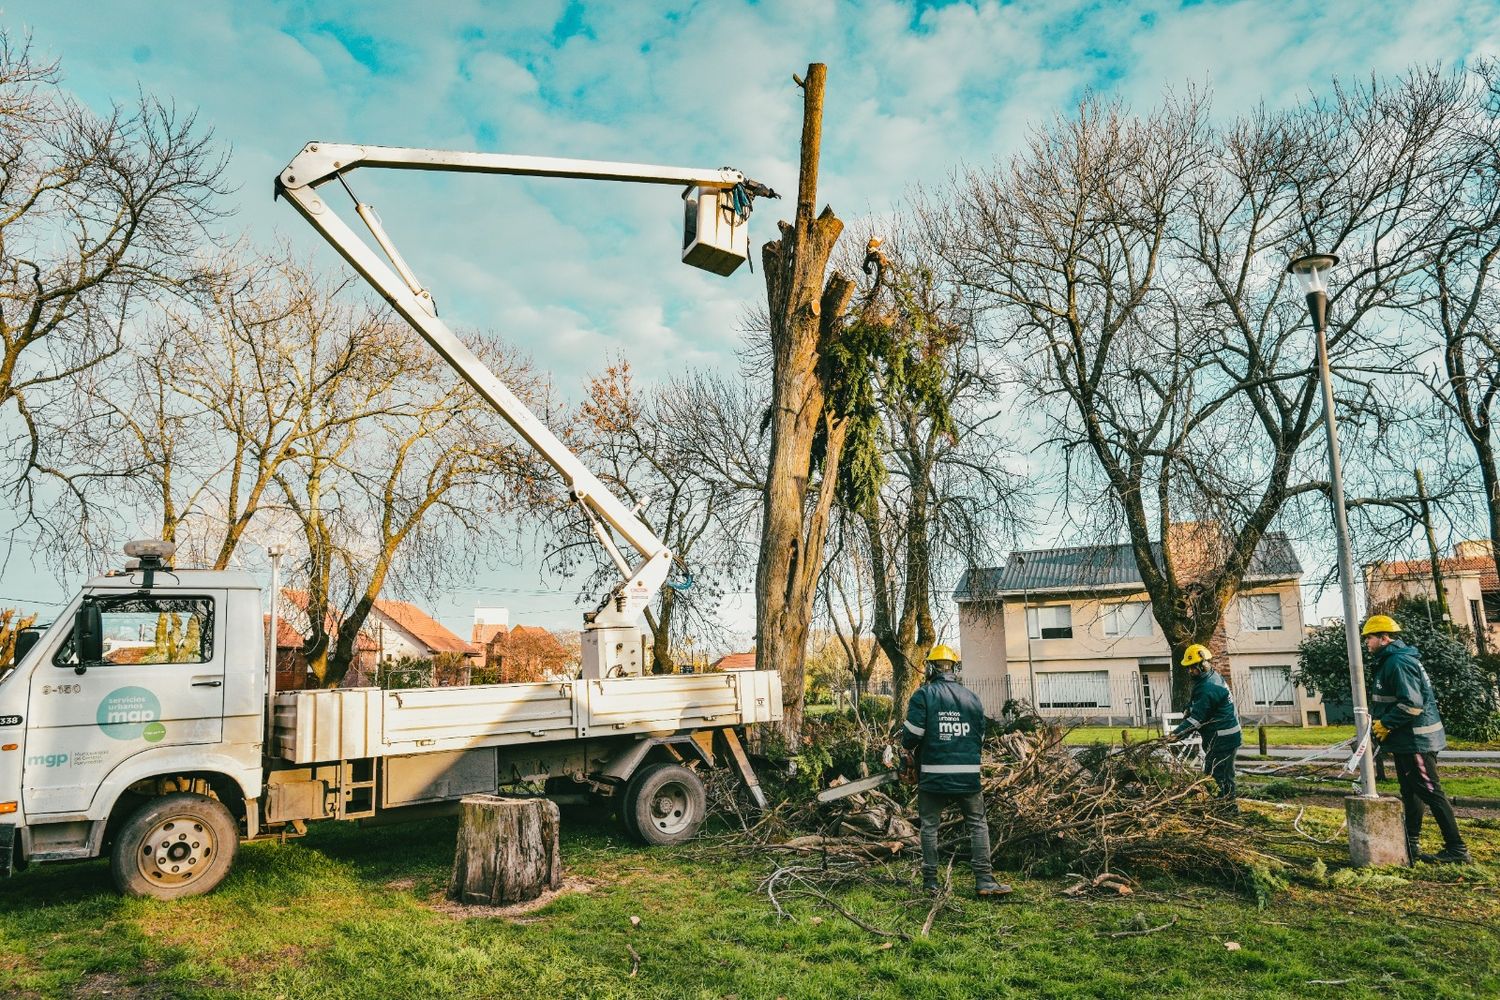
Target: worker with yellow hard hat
(1212, 715)
(1407, 725)
(944, 727)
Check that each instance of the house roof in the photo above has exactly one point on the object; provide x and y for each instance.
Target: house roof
(1489, 579)
(423, 627)
(1103, 567)
(298, 599)
(540, 638)
(735, 661)
(287, 637)
(485, 633)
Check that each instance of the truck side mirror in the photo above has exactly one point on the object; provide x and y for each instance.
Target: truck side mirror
(25, 639)
(88, 636)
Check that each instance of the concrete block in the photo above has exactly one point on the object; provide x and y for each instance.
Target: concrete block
(1377, 831)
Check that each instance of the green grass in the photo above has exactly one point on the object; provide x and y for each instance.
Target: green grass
(350, 912)
(1276, 736)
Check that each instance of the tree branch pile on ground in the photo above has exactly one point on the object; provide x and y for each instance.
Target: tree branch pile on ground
(1134, 810)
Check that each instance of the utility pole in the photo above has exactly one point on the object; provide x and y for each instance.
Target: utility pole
(1432, 548)
(275, 551)
(1026, 624)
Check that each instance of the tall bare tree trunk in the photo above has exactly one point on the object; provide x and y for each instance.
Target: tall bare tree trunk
(1434, 559)
(803, 314)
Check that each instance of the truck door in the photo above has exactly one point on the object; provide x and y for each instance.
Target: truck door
(161, 685)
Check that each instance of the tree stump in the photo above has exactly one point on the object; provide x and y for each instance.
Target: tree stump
(507, 850)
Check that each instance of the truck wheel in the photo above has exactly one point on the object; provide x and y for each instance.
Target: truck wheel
(667, 806)
(174, 846)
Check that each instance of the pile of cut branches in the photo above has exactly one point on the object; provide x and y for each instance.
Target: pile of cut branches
(1134, 808)
(1052, 808)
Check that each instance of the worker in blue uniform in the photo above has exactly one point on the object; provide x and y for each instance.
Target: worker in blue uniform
(944, 728)
(1408, 728)
(1212, 715)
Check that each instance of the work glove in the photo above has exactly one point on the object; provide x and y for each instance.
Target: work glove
(909, 775)
(1380, 730)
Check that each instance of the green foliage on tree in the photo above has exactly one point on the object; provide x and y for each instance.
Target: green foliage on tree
(1465, 695)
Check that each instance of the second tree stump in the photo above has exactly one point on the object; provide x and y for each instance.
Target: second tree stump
(507, 850)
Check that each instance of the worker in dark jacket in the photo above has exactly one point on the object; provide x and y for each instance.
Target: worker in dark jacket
(1212, 716)
(1408, 728)
(944, 727)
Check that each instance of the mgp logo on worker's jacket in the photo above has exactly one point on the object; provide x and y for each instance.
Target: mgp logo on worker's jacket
(945, 721)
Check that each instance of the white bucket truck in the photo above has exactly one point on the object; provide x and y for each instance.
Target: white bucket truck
(137, 725)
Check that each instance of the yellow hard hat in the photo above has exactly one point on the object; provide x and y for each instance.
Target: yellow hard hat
(940, 652)
(1379, 623)
(1196, 653)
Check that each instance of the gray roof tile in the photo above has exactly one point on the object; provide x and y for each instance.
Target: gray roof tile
(1102, 567)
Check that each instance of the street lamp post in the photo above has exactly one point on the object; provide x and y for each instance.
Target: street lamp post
(1311, 272)
(275, 551)
(1026, 624)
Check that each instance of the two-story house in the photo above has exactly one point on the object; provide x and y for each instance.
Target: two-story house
(1070, 630)
(1471, 588)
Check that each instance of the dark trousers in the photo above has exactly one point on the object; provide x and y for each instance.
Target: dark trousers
(930, 813)
(1418, 776)
(1218, 763)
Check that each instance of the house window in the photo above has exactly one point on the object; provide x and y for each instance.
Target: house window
(1261, 612)
(1073, 689)
(1271, 686)
(1052, 622)
(1127, 619)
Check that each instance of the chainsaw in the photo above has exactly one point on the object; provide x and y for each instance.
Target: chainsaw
(903, 768)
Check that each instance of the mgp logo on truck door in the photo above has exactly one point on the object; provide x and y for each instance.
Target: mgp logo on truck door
(131, 713)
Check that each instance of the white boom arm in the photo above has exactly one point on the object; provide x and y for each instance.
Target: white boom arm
(319, 163)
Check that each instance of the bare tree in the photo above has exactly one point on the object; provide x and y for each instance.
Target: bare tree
(414, 488)
(925, 466)
(189, 427)
(97, 215)
(1137, 268)
(1462, 301)
(647, 446)
(847, 605)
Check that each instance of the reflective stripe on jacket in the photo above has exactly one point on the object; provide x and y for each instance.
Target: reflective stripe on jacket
(1212, 711)
(946, 721)
(1403, 701)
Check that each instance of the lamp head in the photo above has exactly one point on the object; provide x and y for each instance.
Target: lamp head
(1311, 271)
(149, 549)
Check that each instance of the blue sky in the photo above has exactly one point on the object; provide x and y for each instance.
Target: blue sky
(574, 272)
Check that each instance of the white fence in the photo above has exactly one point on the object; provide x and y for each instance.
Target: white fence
(1109, 698)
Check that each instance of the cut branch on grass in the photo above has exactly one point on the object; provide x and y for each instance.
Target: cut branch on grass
(941, 900)
(1138, 933)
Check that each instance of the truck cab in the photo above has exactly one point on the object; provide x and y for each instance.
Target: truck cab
(173, 705)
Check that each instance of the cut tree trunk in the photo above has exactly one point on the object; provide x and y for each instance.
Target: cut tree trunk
(803, 314)
(507, 850)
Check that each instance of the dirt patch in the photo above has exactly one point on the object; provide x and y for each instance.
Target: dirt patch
(514, 912)
(98, 985)
(247, 966)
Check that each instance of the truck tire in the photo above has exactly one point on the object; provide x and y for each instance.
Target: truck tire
(174, 846)
(665, 804)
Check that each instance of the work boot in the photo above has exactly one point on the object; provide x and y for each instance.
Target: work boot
(1414, 854)
(1458, 855)
(930, 882)
(985, 887)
